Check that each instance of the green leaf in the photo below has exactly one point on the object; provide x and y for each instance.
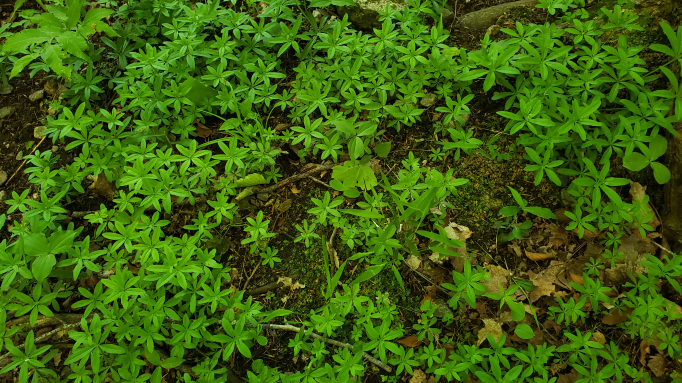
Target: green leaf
(542, 212)
(22, 62)
(658, 147)
(73, 13)
(251, 180)
(350, 193)
(198, 91)
(22, 40)
(355, 176)
(518, 312)
(362, 213)
(635, 162)
(60, 241)
(42, 266)
(370, 273)
(524, 331)
(383, 149)
(52, 56)
(74, 44)
(509, 211)
(35, 244)
(661, 173)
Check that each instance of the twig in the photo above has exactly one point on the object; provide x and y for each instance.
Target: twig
(23, 163)
(367, 356)
(43, 321)
(320, 182)
(268, 287)
(663, 248)
(291, 179)
(246, 284)
(45, 336)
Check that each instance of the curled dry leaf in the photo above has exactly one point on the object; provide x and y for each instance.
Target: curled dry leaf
(545, 280)
(498, 279)
(101, 186)
(576, 278)
(418, 377)
(410, 341)
(538, 256)
(493, 328)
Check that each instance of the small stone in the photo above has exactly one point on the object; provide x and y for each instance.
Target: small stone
(38, 131)
(3, 196)
(55, 148)
(20, 155)
(5, 88)
(442, 309)
(263, 196)
(428, 99)
(6, 111)
(448, 16)
(3, 177)
(37, 95)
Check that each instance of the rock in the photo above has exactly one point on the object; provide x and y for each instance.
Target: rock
(38, 131)
(366, 14)
(3, 196)
(672, 207)
(428, 100)
(6, 88)
(20, 155)
(3, 177)
(442, 309)
(6, 111)
(37, 95)
(55, 148)
(448, 16)
(484, 18)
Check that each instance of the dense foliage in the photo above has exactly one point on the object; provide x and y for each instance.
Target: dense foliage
(576, 99)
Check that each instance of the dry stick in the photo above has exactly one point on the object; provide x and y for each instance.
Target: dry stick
(320, 182)
(367, 356)
(22, 164)
(268, 287)
(43, 321)
(291, 179)
(43, 337)
(246, 284)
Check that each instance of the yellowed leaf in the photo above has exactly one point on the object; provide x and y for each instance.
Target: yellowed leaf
(410, 341)
(493, 328)
(498, 279)
(538, 256)
(418, 377)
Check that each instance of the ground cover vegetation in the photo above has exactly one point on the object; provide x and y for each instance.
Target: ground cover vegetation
(211, 101)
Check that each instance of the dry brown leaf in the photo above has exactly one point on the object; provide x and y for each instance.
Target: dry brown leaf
(297, 285)
(568, 378)
(644, 350)
(294, 189)
(418, 377)
(598, 337)
(203, 131)
(410, 341)
(498, 279)
(638, 192)
(57, 358)
(576, 278)
(102, 186)
(542, 288)
(538, 256)
(558, 235)
(413, 262)
(284, 205)
(545, 280)
(657, 365)
(286, 281)
(460, 233)
(493, 328)
(280, 127)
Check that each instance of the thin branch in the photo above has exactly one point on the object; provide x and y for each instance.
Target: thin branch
(320, 182)
(291, 179)
(365, 355)
(44, 337)
(23, 163)
(246, 284)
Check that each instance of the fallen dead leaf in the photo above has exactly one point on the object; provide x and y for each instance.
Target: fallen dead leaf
(558, 235)
(286, 281)
(418, 377)
(57, 358)
(614, 317)
(284, 205)
(576, 278)
(657, 365)
(458, 232)
(101, 186)
(297, 285)
(638, 192)
(598, 337)
(644, 350)
(568, 378)
(498, 279)
(410, 341)
(294, 189)
(538, 256)
(203, 131)
(413, 262)
(493, 328)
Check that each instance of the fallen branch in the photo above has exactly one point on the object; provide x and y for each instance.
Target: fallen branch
(318, 169)
(45, 336)
(269, 287)
(43, 321)
(365, 355)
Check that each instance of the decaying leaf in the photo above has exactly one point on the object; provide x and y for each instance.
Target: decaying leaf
(101, 186)
(657, 365)
(418, 377)
(410, 341)
(538, 256)
(638, 192)
(576, 278)
(545, 280)
(284, 205)
(644, 350)
(203, 131)
(615, 317)
(498, 279)
(558, 235)
(286, 281)
(598, 337)
(460, 233)
(413, 262)
(493, 328)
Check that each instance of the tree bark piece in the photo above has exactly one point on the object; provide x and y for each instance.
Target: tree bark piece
(672, 209)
